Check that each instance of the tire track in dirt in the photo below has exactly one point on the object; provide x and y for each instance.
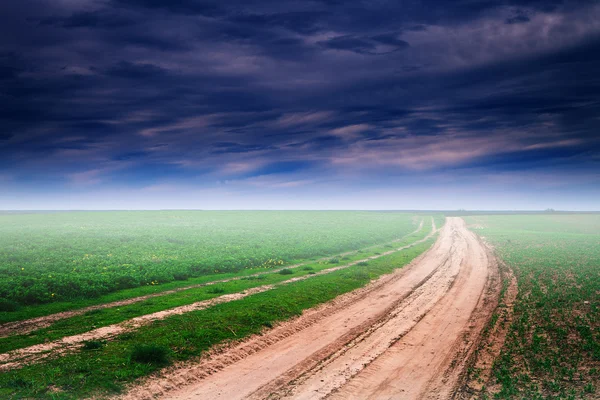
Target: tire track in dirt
(421, 365)
(17, 358)
(406, 327)
(29, 325)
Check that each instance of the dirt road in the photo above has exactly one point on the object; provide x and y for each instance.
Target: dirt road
(404, 336)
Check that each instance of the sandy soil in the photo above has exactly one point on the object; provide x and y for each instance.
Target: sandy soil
(30, 325)
(406, 335)
(491, 345)
(17, 358)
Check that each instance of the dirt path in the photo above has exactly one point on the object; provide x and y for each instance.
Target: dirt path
(395, 338)
(17, 358)
(415, 366)
(30, 325)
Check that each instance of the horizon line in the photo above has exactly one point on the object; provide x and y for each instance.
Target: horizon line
(546, 211)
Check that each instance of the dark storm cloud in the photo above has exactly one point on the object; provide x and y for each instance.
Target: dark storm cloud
(89, 19)
(151, 90)
(149, 41)
(518, 19)
(351, 43)
(132, 155)
(390, 39)
(207, 8)
(7, 72)
(125, 69)
(365, 45)
(303, 22)
(546, 86)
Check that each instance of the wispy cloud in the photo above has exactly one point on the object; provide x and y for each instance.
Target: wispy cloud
(430, 153)
(186, 124)
(491, 39)
(91, 177)
(350, 131)
(277, 182)
(302, 118)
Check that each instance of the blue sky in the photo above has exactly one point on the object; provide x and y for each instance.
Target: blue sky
(326, 104)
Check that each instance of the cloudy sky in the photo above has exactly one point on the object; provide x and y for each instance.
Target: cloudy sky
(326, 104)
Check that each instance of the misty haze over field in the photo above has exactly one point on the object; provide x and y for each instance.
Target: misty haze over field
(320, 104)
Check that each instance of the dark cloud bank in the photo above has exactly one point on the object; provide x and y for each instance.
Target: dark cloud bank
(299, 104)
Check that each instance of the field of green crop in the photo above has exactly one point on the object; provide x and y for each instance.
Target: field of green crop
(107, 369)
(57, 262)
(54, 257)
(552, 350)
(102, 367)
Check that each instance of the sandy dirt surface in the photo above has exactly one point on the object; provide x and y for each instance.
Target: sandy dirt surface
(416, 365)
(30, 325)
(491, 345)
(17, 358)
(405, 336)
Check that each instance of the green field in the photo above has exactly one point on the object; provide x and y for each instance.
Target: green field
(104, 367)
(54, 257)
(53, 262)
(552, 350)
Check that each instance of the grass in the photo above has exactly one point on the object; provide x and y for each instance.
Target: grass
(187, 336)
(108, 316)
(12, 311)
(92, 345)
(151, 354)
(71, 256)
(552, 350)
(286, 271)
